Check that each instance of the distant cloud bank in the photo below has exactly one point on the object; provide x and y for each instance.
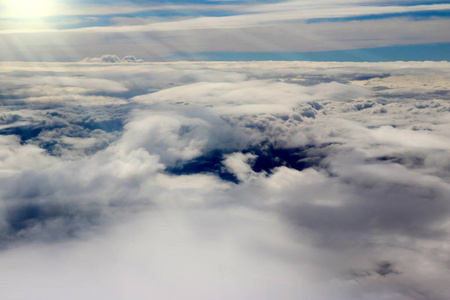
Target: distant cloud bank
(111, 58)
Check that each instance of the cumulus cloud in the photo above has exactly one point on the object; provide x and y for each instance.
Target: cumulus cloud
(227, 180)
(112, 58)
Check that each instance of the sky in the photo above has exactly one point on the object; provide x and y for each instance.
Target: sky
(224, 150)
(58, 30)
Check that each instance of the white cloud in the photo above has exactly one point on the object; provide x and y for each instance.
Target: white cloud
(261, 96)
(240, 164)
(181, 134)
(280, 37)
(104, 9)
(111, 58)
(259, 15)
(341, 192)
(256, 27)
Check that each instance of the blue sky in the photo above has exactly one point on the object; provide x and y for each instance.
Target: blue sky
(420, 52)
(159, 31)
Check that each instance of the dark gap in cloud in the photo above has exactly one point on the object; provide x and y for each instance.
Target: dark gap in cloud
(358, 275)
(386, 268)
(267, 159)
(27, 132)
(46, 221)
(5, 98)
(48, 126)
(361, 77)
(382, 269)
(380, 88)
(105, 125)
(24, 132)
(211, 163)
(22, 217)
(38, 208)
(440, 93)
(364, 105)
(130, 93)
(433, 95)
(410, 161)
(8, 118)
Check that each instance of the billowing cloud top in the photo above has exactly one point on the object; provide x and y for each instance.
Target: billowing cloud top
(269, 180)
(111, 58)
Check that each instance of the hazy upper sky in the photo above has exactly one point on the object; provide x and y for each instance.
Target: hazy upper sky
(58, 30)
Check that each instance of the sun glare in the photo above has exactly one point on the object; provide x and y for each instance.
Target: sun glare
(29, 8)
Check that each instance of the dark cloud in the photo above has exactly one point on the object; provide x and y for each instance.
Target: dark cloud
(386, 268)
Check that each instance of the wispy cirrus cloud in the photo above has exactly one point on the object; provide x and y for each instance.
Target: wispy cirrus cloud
(157, 32)
(274, 13)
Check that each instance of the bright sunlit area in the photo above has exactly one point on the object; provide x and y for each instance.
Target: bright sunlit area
(28, 9)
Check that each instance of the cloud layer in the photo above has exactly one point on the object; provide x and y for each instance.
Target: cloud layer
(225, 180)
(180, 30)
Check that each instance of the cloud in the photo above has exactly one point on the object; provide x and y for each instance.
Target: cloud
(184, 31)
(251, 96)
(111, 58)
(181, 134)
(119, 8)
(254, 180)
(266, 14)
